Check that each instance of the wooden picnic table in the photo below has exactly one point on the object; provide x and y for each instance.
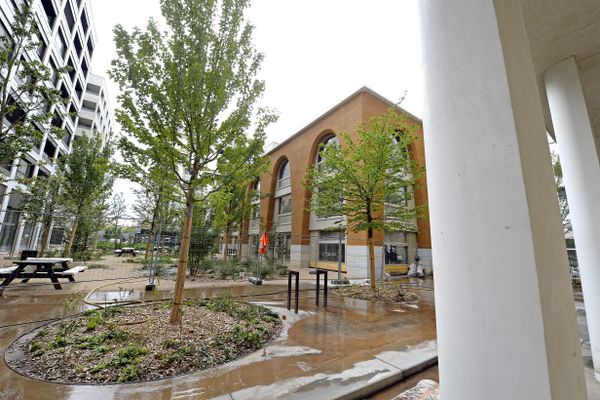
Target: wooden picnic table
(126, 250)
(48, 268)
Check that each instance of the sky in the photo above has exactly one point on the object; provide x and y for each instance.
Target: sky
(317, 53)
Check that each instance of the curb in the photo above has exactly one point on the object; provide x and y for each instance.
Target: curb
(376, 386)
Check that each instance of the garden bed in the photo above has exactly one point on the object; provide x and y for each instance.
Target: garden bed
(132, 344)
(385, 294)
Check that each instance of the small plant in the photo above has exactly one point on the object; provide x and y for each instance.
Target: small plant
(71, 302)
(129, 373)
(94, 321)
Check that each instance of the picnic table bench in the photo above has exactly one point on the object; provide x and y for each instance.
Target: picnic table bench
(48, 268)
(126, 250)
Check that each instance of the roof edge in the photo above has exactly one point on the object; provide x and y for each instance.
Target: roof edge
(363, 89)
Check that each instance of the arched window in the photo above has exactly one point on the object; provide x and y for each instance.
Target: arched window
(284, 175)
(284, 170)
(329, 140)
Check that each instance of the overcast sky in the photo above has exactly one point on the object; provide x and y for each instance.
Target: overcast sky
(317, 52)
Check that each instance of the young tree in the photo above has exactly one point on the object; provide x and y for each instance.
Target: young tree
(188, 96)
(368, 181)
(26, 93)
(87, 230)
(231, 204)
(86, 180)
(116, 210)
(41, 203)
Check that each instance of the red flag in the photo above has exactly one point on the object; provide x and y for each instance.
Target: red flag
(263, 246)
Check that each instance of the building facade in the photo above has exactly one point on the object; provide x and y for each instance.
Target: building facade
(66, 31)
(302, 238)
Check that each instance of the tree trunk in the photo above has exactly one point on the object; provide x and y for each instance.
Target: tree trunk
(226, 240)
(240, 235)
(45, 236)
(371, 257)
(67, 250)
(150, 239)
(183, 257)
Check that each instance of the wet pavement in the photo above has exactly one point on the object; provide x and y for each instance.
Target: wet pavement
(324, 354)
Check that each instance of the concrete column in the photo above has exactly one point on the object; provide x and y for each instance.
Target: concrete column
(581, 172)
(505, 313)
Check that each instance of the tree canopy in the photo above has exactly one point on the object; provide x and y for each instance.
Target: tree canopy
(369, 181)
(188, 98)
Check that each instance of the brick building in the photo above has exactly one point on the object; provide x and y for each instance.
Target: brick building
(304, 238)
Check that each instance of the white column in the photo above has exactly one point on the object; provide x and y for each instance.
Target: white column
(581, 172)
(505, 313)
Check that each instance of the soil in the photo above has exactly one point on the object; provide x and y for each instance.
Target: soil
(132, 344)
(386, 294)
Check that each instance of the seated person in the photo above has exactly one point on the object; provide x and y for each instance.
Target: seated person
(416, 268)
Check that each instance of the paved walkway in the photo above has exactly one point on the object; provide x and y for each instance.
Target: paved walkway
(325, 354)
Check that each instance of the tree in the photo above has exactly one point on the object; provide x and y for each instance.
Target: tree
(188, 97)
(368, 181)
(231, 204)
(116, 210)
(26, 90)
(87, 230)
(40, 202)
(562, 195)
(87, 180)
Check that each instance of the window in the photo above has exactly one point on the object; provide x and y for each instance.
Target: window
(64, 92)
(72, 71)
(54, 77)
(6, 165)
(329, 140)
(50, 12)
(77, 43)
(57, 121)
(66, 139)
(90, 46)
(84, 22)
(49, 150)
(25, 169)
(285, 204)
(284, 175)
(69, 16)
(396, 254)
(62, 44)
(330, 251)
(93, 89)
(79, 89)
(43, 46)
(72, 113)
(84, 67)
(17, 114)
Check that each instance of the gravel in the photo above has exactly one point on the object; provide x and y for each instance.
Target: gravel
(385, 294)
